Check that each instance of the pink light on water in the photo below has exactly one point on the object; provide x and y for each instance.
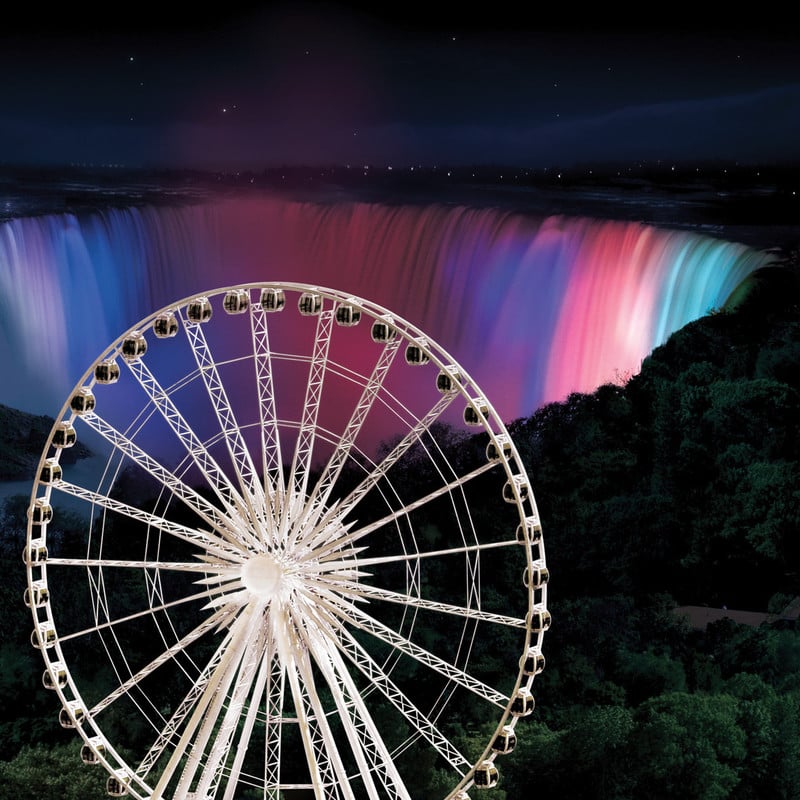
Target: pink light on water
(606, 313)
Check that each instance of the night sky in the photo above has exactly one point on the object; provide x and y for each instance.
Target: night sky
(255, 85)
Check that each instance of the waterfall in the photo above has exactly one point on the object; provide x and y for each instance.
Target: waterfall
(533, 308)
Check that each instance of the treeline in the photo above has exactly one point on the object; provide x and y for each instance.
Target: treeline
(679, 487)
(22, 437)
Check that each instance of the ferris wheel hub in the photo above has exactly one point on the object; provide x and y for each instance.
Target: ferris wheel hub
(262, 575)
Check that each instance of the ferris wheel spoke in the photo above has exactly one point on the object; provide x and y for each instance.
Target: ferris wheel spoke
(375, 593)
(218, 618)
(190, 535)
(398, 451)
(333, 468)
(220, 751)
(363, 621)
(188, 703)
(167, 566)
(206, 707)
(109, 623)
(251, 490)
(276, 688)
(366, 743)
(263, 688)
(466, 549)
(301, 462)
(270, 435)
(359, 533)
(196, 502)
(212, 472)
(328, 776)
(375, 673)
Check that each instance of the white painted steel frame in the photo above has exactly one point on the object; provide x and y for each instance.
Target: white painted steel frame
(284, 573)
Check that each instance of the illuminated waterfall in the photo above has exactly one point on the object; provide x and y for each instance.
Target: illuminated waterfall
(532, 308)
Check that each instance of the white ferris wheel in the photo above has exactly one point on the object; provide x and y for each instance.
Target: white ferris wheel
(311, 566)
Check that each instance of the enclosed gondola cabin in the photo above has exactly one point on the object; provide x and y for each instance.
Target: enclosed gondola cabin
(516, 489)
(539, 620)
(91, 750)
(536, 577)
(133, 347)
(117, 787)
(523, 703)
(416, 355)
(347, 315)
(383, 331)
(309, 304)
(447, 380)
(56, 676)
(499, 450)
(72, 715)
(165, 326)
(531, 529)
(199, 310)
(50, 472)
(486, 775)
(36, 595)
(41, 512)
(532, 663)
(82, 402)
(64, 435)
(236, 301)
(505, 741)
(107, 371)
(272, 299)
(476, 412)
(35, 553)
(43, 636)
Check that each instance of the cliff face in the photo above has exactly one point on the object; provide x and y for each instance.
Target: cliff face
(22, 438)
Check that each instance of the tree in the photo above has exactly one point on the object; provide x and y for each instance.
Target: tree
(689, 746)
(51, 772)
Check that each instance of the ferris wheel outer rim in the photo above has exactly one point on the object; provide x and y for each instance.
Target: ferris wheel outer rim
(409, 332)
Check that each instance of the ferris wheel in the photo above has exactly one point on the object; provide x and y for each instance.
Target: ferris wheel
(310, 564)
